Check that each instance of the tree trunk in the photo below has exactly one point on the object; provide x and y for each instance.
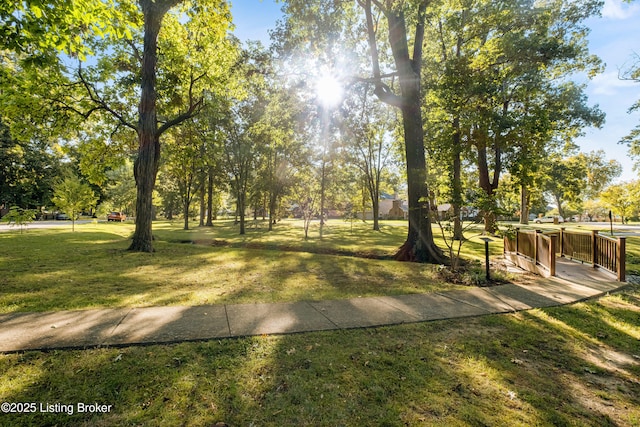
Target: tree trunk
(185, 211)
(559, 203)
(524, 205)
(419, 246)
(375, 204)
(146, 164)
(488, 187)
(202, 204)
(210, 198)
(241, 209)
(456, 182)
(272, 208)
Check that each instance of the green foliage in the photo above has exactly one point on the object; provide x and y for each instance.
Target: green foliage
(72, 196)
(120, 189)
(565, 181)
(623, 199)
(20, 217)
(497, 83)
(27, 170)
(40, 27)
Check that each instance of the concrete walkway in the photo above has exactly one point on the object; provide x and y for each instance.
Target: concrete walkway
(130, 326)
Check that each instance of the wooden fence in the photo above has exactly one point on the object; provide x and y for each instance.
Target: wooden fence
(538, 250)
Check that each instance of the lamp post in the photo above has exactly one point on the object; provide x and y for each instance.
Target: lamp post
(486, 255)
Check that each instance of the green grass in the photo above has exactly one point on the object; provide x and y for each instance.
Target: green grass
(567, 366)
(572, 365)
(55, 269)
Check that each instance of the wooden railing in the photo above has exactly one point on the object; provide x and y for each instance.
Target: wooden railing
(600, 251)
(537, 249)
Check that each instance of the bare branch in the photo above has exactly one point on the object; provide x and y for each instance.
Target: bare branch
(100, 103)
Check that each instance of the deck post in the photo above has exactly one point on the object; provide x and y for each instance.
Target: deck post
(552, 255)
(562, 241)
(517, 233)
(621, 258)
(535, 246)
(594, 249)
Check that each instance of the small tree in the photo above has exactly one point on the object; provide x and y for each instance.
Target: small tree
(72, 196)
(622, 199)
(20, 217)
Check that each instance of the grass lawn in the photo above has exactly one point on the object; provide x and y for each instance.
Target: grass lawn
(56, 269)
(577, 365)
(572, 365)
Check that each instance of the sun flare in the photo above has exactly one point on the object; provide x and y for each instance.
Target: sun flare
(329, 91)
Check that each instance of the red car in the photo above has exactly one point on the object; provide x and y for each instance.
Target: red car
(116, 216)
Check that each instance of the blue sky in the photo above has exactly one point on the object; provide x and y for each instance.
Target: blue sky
(614, 38)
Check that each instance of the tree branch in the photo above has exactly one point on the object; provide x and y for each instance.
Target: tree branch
(136, 52)
(100, 103)
(194, 108)
(419, 38)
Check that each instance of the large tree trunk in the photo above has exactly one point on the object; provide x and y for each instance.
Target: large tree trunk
(146, 165)
(488, 185)
(457, 180)
(419, 245)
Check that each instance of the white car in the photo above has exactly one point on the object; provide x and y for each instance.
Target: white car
(548, 219)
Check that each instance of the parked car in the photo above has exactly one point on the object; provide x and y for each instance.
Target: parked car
(116, 216)
(62, 216)
(549, 219)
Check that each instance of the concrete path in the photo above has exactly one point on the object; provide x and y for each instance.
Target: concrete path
(151, 325)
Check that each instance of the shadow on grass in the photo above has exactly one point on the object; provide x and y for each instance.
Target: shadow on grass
(54, 270)
(532, 368)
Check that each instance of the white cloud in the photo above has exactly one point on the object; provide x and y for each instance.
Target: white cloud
(609, 83)
(615, 9)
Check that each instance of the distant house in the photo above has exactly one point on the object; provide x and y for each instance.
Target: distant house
(390, 207)
(445, 212)
(399, 210)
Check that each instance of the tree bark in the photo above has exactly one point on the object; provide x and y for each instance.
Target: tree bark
(419, 246)
(375, 204)
(185, 211)
(456, 182)
(203, 207)
(487, 184)
(524, 205)
(146, 164)
(210, 198)
(273, 204)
